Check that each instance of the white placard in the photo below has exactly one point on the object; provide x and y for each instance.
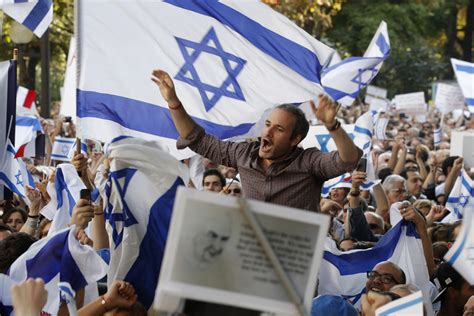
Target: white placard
(377, 92)
(381, 128)
(462, 144)
(318, 136)
(406, 306)
(377, 104)
(413, 103)
(212, 254)
(448, 98)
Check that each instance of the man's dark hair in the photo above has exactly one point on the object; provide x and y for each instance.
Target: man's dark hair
(403, 276)
(301, 124)
(384, 172)
(4, 228)
(448, 163)
(214, 172)
(13, 247)
(9, 212)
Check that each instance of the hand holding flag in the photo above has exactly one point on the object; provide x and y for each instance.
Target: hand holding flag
(326, 111)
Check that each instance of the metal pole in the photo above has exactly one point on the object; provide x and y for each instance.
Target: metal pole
(45, 90)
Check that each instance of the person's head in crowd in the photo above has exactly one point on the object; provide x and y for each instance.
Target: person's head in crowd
(15, 218)
(13, 247)
(454, 290)
(233, 188)
(384, 173)
(43, 228)
(442, 232)
(213, 180)
(339, 195)
(395, 188)
(424, 205)
(410, 154)
(402, 132)
(329, 207)
(448, 164)
(285, 127)
(441, 155)
(375, 222)
(227, 172)
(5, 231)
(411, 165)
(384, 276)
(332, 305)
(347, 244)
(440, 248)
(404, 289)
(414, 183)
(456, 229)
(382, 160)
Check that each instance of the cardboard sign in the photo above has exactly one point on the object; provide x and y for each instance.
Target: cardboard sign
(376, 92)
(462, 144)
(448, 98)
(413, 103)
(212, 254)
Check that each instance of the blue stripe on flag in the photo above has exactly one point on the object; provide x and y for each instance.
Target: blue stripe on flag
(152, 247)
(60, 185)
(383, 45)
(465, 68)
(143, 117)
(394, 309)
(70, 272)
(362, 130)
(298, 58)
(469, 101)
(28, 121)
(65, 141)
(366, 260)
(11, 150)
(9, 184)
(458, 251)
(40, 10)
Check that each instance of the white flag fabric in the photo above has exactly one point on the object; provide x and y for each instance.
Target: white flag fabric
(10, 171)
(465, 75)
(344, 81)
(461, 254)
(64, 148)
(138, 199)
(35, 15)
(59, 259)
(26, 130)
(461, 195)
(230, 60)
(409, 305)
(345, 273)
(68, 96)
(25, 102)
(68, 186)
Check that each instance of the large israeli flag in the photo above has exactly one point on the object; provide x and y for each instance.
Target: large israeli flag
(36, 15)
(343, 81)
(68, 186)
(230, 60)
(465, 74)
(344, 273)
(461, 195)
(461, 254)
(138, 199)
(62, 262)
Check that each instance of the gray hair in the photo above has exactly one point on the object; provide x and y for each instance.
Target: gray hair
(378, 217)
(389, 182)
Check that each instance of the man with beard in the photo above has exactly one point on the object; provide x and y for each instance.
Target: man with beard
(272, 169)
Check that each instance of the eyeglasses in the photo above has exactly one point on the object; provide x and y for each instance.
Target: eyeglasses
(399, 191)
(385, 278)
(412, 168)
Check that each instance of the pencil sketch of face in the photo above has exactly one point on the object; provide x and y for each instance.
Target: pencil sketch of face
(209, 242)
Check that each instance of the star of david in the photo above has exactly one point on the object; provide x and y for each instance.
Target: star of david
(463, 200)
(18, 178)
(119, 219)
(324, 139)
(361, 79)
(65, 150)
(233, 65)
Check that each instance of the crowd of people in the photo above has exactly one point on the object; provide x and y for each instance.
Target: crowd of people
(415, 176)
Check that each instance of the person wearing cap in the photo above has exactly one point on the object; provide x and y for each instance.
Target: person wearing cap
(454, 290)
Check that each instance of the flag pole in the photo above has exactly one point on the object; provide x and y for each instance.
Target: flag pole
(270, 254)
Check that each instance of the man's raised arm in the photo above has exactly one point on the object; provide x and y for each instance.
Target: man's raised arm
(182, 121)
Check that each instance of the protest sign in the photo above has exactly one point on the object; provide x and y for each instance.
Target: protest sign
(212, 254)
(462, 144)
(374, 91)
(448, 98)
(318, 136)
(381, 128)
(412, 103)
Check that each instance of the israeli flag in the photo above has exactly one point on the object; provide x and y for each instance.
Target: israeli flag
(409, 305)
(138, 199)
(35, 15)
(461, 195)
(26, 130)
(345, 273)
(10, 171)
(343, 181)
(68, 186)
(59, 259)
(437, 136)
(65, 148)
(461, 254)
(230, 60)
(465, 75)
(344, 81)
